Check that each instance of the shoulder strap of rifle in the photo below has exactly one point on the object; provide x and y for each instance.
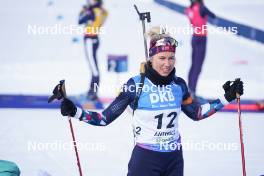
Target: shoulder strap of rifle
(141, 84)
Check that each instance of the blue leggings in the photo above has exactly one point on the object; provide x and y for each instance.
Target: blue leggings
(198, 55)
(145, 162)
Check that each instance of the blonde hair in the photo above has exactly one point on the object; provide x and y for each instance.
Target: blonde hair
(157, 32)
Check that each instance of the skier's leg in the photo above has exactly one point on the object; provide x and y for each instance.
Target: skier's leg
(91, 46)
(175, 165)
(95, 78)
(144, 163)
(197, 61)
(191, 75)
(200, 58)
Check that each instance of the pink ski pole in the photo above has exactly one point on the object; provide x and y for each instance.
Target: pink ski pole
(241, 135)
(75, 147)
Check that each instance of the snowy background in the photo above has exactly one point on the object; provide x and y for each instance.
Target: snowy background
(33, 64)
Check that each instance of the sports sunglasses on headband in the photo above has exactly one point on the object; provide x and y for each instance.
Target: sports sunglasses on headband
(166, 41)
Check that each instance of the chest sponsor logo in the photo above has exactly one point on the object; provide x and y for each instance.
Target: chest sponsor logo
(162, 133)
(165, 96)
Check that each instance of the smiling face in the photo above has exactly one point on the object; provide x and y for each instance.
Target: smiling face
(163, 62)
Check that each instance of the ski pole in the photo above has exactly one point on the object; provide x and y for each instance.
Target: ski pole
(59, 93)
(241, 135)
(142, 17)
(75, 148)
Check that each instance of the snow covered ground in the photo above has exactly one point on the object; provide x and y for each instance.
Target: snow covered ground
(39, 140)
(33, 64)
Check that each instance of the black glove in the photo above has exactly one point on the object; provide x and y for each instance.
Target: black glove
(68, 108)
(232, 89)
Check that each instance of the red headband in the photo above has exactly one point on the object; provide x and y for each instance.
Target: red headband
(162, 45)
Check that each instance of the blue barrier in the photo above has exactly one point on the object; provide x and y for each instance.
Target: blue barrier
(242, 30)
(26, 101)
(41, 102)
